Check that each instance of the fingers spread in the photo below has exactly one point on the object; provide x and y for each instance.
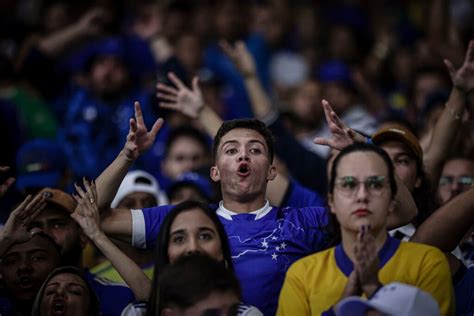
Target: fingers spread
(138, 113)
(176, 81)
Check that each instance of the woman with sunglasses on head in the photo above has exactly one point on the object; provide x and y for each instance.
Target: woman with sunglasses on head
(361, 196)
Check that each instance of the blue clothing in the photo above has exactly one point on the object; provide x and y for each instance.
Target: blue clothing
(113, 297)
(300, 196)
(463, 282)
(94, 131)
(235, 94)
(263, 246)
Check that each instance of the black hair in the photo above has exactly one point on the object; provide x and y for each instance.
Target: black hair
(161, 250)
(192, 279)
(190, 132)
(333, 227)
(252, 124)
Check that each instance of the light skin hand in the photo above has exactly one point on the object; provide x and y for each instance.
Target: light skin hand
(353, 287)
(240, 56)
(16, 227)
(366, 261)
(86, 213)
(463, 77)
(8, 183)
(341, 135)
(139, 139)
(180, 98)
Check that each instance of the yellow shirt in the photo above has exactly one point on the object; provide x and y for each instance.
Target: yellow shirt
(315, 283)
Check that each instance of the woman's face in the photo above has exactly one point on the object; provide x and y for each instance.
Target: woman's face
(362, 193)
(65, 294)
(193, 231)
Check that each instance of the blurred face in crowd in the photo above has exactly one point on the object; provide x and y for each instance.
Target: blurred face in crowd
(185, 193)
(108, 76)
(25, 266)
(217, 303)
(425, 85)
(404, 163)
(192, 231)
(138, 200)
(362, 194)
(185, 154)
(457, 176)
(339, 97)
(306, 103)
(189, 52)
(243, 164)
(57, 223)
(65, 294)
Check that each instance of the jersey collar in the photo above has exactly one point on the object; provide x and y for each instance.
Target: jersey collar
(260, 213)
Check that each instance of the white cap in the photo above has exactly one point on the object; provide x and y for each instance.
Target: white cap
(393, 299)
(130, 185)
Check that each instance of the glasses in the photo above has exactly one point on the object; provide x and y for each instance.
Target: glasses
(349, 185)
(463, 181)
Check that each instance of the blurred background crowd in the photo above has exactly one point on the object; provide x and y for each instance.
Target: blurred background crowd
(70, 72)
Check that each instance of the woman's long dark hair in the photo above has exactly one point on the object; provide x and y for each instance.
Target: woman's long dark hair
(162, 242)
(333, 228)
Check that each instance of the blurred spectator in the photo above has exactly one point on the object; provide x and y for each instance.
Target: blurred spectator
(191, 186)
(42, 163)
(457, 176)
(393, 299)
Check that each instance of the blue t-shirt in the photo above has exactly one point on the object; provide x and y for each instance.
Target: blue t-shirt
(263, 245)
(113, 297)
(463, 282)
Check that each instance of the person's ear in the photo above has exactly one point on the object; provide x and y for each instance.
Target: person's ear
(331, 202)
(214, 173)
(272, 173)
(418, 182)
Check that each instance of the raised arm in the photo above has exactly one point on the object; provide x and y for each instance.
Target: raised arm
(342, 136)
(15, 229)
(87, 216)
(448, 224)
(448, 123)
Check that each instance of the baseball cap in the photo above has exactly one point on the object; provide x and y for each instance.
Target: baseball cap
(400, 133)
(59, 198)
(40, 163)
(393, 299)
(201, 183)
(139, 181)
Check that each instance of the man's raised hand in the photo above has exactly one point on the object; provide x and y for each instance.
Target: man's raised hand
(181, 98)
(139, 139)
(341, 134)
(240, 56)
(463, 78)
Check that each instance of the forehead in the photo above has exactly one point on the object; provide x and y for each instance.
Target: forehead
(362, 163)
(67, 278)
(459, 165)
(51, 211)
(139, 196)
(192, 219)
(35, 243)
(395, 147)
(242, 135)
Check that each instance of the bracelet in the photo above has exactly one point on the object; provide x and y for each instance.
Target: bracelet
(368, 140)
(454, 115)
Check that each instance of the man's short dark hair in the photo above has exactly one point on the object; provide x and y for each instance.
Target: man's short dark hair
(252, 124)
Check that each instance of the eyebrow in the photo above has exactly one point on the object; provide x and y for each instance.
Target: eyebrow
(233, 141)
(200, 229)
(70, 283)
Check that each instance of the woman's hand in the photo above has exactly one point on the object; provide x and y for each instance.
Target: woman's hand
(367, 261)
(86, 213)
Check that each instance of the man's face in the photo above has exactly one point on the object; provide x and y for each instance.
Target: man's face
(25, 266)
(108, 76)
(457, 176)
(242, 164)
(185, 154)
(58, 224)
(404, 163)
(138, 200)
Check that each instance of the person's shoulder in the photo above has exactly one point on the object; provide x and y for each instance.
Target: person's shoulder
(421, 250)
